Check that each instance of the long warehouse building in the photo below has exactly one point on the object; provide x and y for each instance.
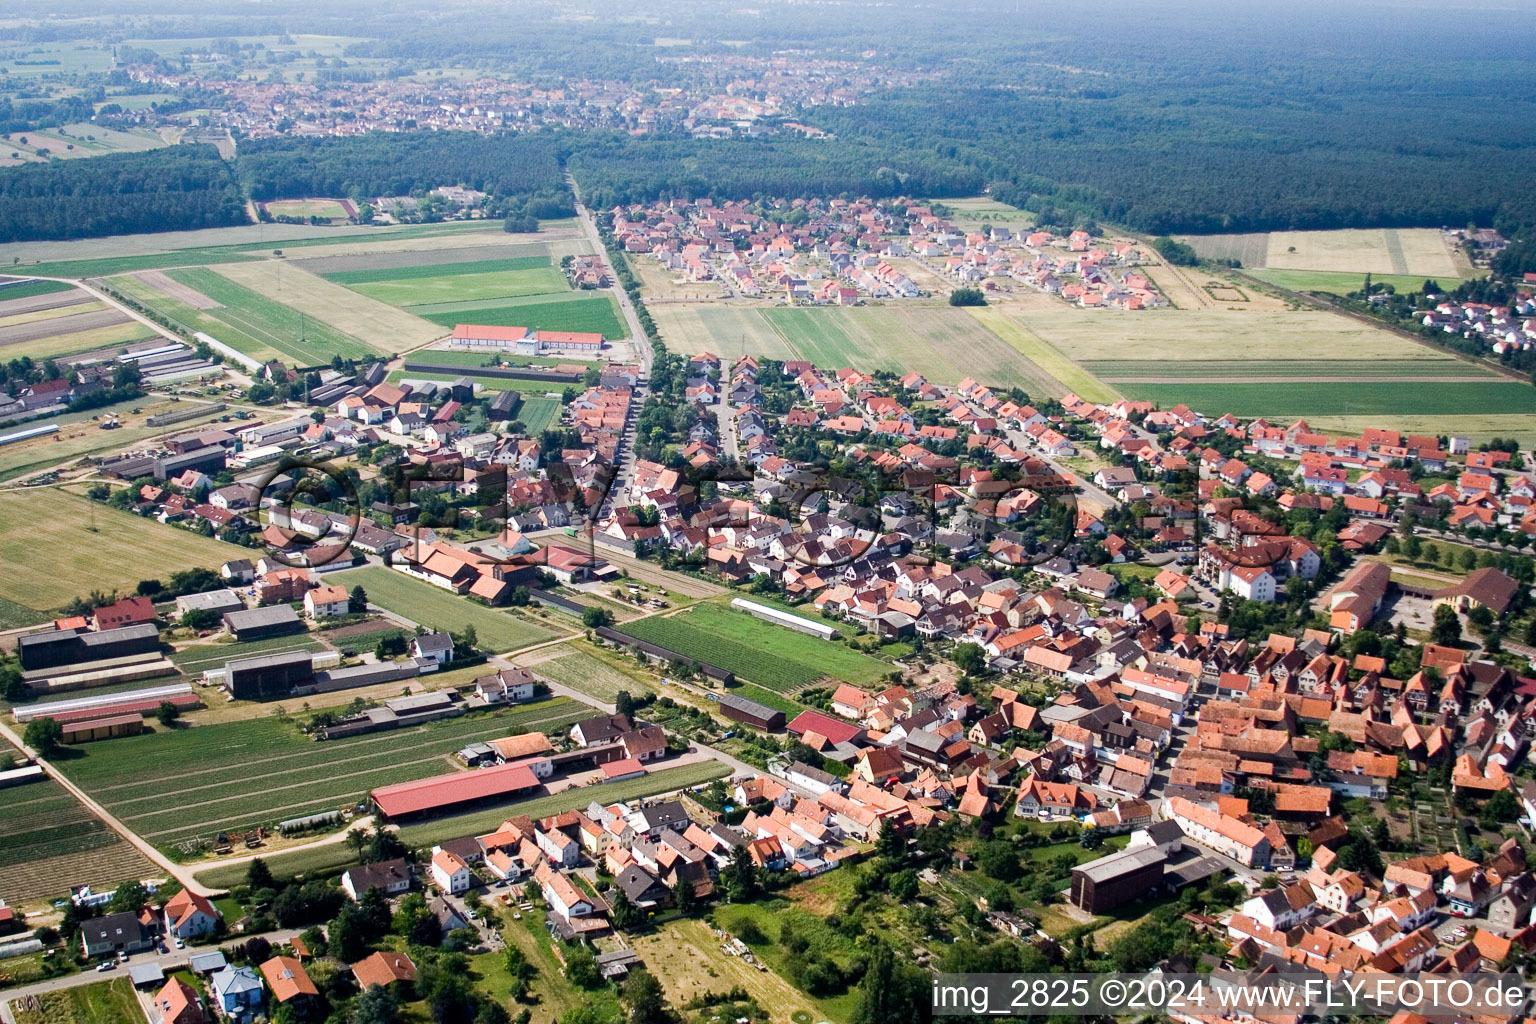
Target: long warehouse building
(452, 792)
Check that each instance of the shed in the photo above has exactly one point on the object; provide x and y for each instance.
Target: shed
(146, 975)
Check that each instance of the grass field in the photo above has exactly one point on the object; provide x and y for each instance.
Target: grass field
(27, 289)
(778, 658)
(581, 669)
(1342, 283)
(198, 659)
(51, 552)
(379, 325)
(438, 609)
(74, 342)
(53, 842)
(596, 314)
(1383, 400)
(539, 414)
(468, 284)
(171, 786)
(1115, 370)
(327, 209)
(433, 270)
(103, 1002)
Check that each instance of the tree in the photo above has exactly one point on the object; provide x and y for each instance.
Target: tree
(257, 949)
(375, 1005)
(348, 941)
(128, 896)
(1447, 628)
(971, 658)
(581, 968)
(357, 600)
(647, 1004)
(903, 885)
(684, 896)
(624, 704)
(471, 637)
(593, 618)
(890, 991)
(889, 842)
(967, 297)
(740, 877)
(167, 713)
(1502, 807)
(259, 876)
(44, 735)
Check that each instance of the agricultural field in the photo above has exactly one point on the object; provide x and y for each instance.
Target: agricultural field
(1420, 252)
(382, 327)
(1475, 424)
(1061, 371)
(442, 268)
(594, 313)
(727, 331)
(241, 318)
(433, 257)
(539, 414)
(971, 212)
(1386, 401)
(1133, 370)
(55, 547)
(103, 1002)
(53, 842)
(778, 658)
(438, 609)
(74, 141)
(1341, 283)
(576, 665)
(31, 289)
(44, 319)
(73, 343)
(325, 209)
(175, 786)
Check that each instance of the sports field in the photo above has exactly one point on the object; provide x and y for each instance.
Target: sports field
(780, 659)
(174, 785)
(53, 842)
(326, 209)
(539, 414)
(383, 327)
(54, 547)
(438, 609)
(1420, 252)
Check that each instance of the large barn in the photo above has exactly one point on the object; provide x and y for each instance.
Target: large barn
(450, 792)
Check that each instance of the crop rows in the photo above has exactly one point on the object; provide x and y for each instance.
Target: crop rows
(350, 277)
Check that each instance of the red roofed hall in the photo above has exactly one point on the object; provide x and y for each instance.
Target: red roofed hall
(833, 729)
(425, 796)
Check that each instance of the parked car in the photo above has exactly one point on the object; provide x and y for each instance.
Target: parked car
(105, 965)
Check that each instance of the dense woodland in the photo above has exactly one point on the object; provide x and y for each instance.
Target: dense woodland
(159, 190)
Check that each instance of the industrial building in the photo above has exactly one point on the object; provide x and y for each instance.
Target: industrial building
(260, 623)
(270, 676)
(454, 792)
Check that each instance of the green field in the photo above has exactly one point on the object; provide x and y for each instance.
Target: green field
(327, 209)
(1341, 399)
(778, 658)
(270, 323)
(595, 314)
(539, 414)
(171, 786)
(465, 286)
(52, 841)
(1042, 354)
(580, 669)
(198, 659)
(1132, 369)
(437, 270)
(777, 701)
(438, 609)
(103, 1002)
(1341, 283)
(27, 289)
(54, 547)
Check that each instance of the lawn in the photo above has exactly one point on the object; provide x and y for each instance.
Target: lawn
(56, 546)
(654, 782)
(539, 414)
(1282, 399)
(172, 786)
(53, 842)
(436, 270)
(595, 314)
(438, 609)
(776, 657)
(103, 1002)
(1341, 283)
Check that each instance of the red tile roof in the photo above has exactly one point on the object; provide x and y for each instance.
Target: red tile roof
(447, 790)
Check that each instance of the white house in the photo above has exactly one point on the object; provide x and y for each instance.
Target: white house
(450, 872)
(326, 602)
(436, 647)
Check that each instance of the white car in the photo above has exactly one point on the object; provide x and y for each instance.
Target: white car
(180, 944)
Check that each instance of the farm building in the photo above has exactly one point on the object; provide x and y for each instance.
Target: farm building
(624, 768)
(60, 647)
(454, 792)
(216, 601)
(139, 702)
(1103, 884)
(103, 728)
(778, 618)
(523, 341)
(750, 712)
(260, 623)
(833, 729)
(271, 675)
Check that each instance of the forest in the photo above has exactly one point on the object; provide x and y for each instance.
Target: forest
(379, 164)
(172, 189)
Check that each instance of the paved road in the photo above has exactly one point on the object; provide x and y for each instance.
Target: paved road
(168, 962)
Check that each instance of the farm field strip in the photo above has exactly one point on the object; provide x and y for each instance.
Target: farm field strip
(441, 258)
(773, 656)
(74, 342)
(379, 325)
(596, 314)
(467, 285)
(52, 554)
(28, 289)
(423, 603)
(54, 311)
(270, 322)
(436, 270)
(1428, 368)
(1280, 399)
(1342, 283)
(466, 308)
(1476, 426)
(1420, 252)
(39, 327)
